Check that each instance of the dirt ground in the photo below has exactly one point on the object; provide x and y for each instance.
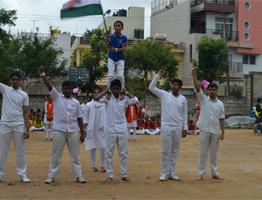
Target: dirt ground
(239, 162)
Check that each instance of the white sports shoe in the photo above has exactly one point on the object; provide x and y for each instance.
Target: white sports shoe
(174, 177)
(162, 178)
(80, 180)
(25, 180)
(49, 180)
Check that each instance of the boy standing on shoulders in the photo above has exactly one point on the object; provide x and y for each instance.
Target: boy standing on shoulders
(67, 124)
(116, 127)
(212, 115)
(116, 44)
(14, 121)
(174, 122)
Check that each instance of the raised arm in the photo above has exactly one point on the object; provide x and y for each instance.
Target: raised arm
(194, 70)
(45, 79)
(153, 87)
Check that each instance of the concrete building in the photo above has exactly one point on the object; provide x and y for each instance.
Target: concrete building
(188, 20)
(133, 19)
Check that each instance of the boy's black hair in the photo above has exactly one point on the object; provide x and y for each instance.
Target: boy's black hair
(259, 100)
(67, 83)
(260, 114)
(31, 110)
(15, 73)
(211, 85)
(118, 21)
(85, 98)
(116, 82)
(191, 121)
(38, 109)
(178, 81)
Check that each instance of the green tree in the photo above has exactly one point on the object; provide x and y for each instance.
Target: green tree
(213, 59)
(148, 57)
(95, 59)
(30, 51)
(89, 33)
(7, 18)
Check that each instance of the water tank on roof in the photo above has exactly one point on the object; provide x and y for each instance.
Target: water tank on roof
(139, 33)
(122, 13)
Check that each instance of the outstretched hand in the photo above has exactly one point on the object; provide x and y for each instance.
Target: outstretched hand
(161, 72)
(194, 70)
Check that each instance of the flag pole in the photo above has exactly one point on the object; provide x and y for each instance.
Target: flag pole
(104, 17)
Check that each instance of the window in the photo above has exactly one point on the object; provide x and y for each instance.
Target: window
(249, 59)
(191, 51)
(245, 59)
(247, 5)
(246, 36)
(246, 25)
(252, 60)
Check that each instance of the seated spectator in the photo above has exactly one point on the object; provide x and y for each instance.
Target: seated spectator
(38, 113)
(158, 123)
(32, 112)
(258, 124)
(31, 123)
(191, 128)
(142, 124)
(39, 125)
(34, 115)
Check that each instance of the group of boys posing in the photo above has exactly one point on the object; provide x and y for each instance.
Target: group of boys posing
(110, 105)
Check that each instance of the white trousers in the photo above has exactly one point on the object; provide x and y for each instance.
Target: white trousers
(51, 130)
(17, 129)
(155, 132)
(102, 157)
(122, 147)
(206, 141)
(134, 132)
(120, 72)
(59, 140)
(170, 139)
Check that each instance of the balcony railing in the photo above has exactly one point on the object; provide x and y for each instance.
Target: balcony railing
(197, 2)
(85, 40)
(230, 35)
(235, 67)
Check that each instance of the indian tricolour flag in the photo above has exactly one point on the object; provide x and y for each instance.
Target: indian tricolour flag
(79, 8)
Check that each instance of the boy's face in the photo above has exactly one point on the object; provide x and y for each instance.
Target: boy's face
(118, 27)
(15, 81)
(85, 100)
(50, 98)
(32, 112)
(115, 90)
(175, 87)
(95, 93)
(38, 111)
(212, 91)
(67, 91)
(191, 123)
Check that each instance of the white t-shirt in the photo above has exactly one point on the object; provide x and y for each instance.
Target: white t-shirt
(13, 104)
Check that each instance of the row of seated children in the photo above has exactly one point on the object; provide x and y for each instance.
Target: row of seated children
(37, 114)
(35, 125)
(151, 126)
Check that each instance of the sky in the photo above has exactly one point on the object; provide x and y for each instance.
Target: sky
(47, 13)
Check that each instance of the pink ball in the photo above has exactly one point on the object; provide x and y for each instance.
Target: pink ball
(205, 83)
(143, 110)
(76, 90)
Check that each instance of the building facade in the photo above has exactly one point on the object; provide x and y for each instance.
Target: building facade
(237, 20)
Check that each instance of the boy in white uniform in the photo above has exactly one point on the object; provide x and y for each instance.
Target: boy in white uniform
(49, 120)
(67, 124)
(174, 122)
(116, 127)
(212, 115)
(14, 121)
